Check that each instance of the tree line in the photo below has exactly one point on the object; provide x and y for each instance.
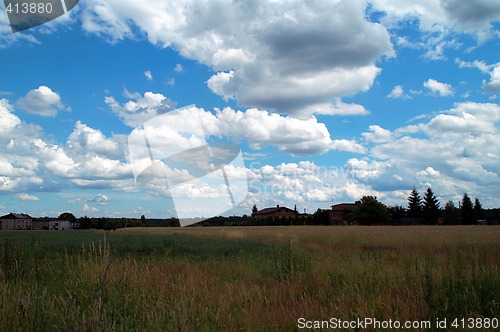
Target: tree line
(424, 210)
(115, 223)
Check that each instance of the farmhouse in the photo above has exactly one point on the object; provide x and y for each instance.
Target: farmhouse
(21, 221)
(275, 212)
(40, 223)
(15, 221)
(59, 225)
(52, 224)
(340, 214)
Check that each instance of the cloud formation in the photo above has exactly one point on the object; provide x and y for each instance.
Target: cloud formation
(494, 84)
(8, 38)
(32, 163)
(285, 56)
(398, 92)
(465, 16)
(141, 108)
(441, 89)
(259, 128)
(27, 197)
(304, 183)
(454, 152)
(42, 101)
(178, 68)
(100, 199)
(439, 22)
(84, 140)
(493, 70)
(472, 15)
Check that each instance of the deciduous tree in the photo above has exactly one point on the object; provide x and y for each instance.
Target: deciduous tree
(397, 213)
(86, 223)
(451, 214)
(67, 216)
(370, 211)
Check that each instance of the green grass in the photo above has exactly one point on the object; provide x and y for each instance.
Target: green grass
(250, 278)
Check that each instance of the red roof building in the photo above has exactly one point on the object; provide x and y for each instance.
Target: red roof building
(340, 214)
(275, 212)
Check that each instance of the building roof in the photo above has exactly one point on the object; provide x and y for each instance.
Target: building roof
(343, 206)
(16, 216)
(273, 210)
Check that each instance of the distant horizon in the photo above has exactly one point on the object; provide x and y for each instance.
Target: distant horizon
(312, 211)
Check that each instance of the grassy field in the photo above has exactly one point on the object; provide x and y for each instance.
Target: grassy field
(244, 278)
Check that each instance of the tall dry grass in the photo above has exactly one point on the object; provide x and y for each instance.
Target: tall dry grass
(249, 278)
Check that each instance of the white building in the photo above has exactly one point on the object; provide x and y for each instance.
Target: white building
(15, 221)
(59, 225)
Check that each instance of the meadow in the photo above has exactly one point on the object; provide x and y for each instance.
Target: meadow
(245, 278)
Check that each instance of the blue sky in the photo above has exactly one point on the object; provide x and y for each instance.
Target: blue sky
(328, 100)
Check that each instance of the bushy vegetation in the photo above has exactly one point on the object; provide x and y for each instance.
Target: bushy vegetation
(370, 211)
(251, 278)
(319, 217)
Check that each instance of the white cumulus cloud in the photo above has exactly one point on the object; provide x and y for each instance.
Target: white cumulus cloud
(88, 208)
(42, 101)
(100, 199)
(454, 152)
(27, 197)
(442, 89)
(297, 136)
(494, 84)
(398, 92)
(140, 109)
(492, 69)
(87, 140)
(475, 16)
(284, 56)
(31, 163)
(8, 120)
(439, 21)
